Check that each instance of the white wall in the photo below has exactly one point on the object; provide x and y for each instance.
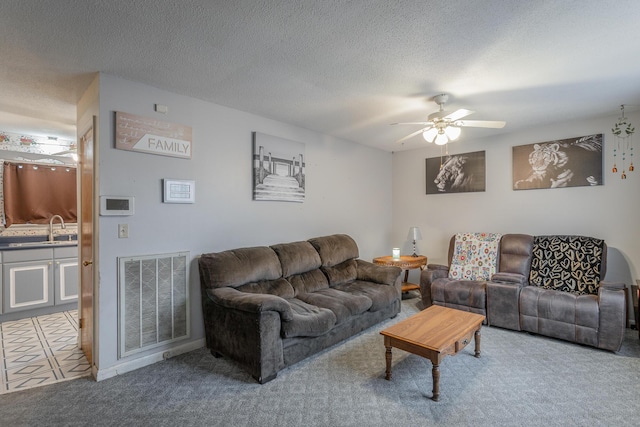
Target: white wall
(348, 190)
(608, 212)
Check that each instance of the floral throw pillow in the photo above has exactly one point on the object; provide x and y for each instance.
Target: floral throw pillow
(475, 256)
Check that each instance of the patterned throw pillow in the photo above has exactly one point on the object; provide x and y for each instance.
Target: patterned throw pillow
(567, 263)
(475, 256)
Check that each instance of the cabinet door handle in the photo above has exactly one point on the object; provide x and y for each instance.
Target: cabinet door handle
(86, 263)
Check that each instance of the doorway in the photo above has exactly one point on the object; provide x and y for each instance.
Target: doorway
(86, 164)
(44, 348)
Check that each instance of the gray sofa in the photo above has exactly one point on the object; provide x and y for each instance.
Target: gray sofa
(269, 307)
(547, 285)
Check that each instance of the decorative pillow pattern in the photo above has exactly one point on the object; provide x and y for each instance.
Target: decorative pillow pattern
(567, 263)
(475, 256)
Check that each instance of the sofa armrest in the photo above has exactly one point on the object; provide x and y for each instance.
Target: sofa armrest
(613, 315)
(510, 278)
(383, 274)
(438, 267)
(612, 285)
(503, 300)
(252, 303)
(246, 328)
(432, 273)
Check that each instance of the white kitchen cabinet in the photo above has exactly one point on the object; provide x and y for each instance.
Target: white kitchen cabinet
(27, 280)
(37, 278)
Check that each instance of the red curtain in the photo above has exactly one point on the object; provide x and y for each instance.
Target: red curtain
(34, 193)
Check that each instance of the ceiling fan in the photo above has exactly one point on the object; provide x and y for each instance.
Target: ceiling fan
(442, 127)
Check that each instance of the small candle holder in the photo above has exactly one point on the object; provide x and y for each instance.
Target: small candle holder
(395, 253)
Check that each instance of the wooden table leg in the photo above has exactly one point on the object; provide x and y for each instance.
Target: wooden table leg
(435, 371)
(388, 358)
(477, 340)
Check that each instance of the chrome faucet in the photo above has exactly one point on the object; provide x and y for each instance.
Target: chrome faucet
(51, 226)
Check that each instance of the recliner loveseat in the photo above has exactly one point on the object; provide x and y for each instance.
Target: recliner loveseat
(269, 307)
(548, 285)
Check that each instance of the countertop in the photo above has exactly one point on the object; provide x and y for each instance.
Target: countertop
(36, 242)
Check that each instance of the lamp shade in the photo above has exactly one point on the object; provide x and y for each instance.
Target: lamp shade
(453, 132)
(430, 134)
(414, 234)
(441, 139)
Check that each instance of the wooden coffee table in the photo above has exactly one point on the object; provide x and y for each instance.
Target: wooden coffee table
(434, 333)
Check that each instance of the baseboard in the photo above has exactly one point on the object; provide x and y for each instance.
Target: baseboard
(132, 365)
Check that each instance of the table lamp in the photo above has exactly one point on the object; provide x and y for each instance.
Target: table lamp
(414, 234)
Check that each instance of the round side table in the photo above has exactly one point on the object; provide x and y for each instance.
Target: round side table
(405, 262)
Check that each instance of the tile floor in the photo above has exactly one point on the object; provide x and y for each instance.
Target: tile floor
(40, 350)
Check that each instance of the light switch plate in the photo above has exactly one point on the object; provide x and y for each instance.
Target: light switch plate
(123, 231)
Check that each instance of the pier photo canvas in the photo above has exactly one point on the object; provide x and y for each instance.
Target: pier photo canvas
(278, 169)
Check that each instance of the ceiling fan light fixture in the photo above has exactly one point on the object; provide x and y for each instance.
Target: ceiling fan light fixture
(441, 139)
(442, 127)
(453, 132)
(430, 134)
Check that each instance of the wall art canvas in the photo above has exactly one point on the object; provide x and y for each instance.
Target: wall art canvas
(147, 135)
(456, 173)
(278, 169)
(571, 162)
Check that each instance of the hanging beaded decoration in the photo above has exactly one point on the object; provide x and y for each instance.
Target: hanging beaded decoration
(623, 131)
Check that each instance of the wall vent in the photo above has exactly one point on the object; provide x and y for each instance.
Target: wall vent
(153, 301)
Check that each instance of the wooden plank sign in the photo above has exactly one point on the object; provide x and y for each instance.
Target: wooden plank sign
(146, 135)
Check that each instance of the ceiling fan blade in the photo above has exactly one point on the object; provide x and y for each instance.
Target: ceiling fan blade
(458, 114)
(411, 135)
(481, 123)
(413, 123)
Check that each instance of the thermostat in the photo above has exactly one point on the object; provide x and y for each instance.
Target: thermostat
(116, 205)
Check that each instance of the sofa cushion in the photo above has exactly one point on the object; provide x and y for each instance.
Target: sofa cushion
(310, 281)
(557, 314)
(381, 296)
(308, 320)
(343, 304)
(342, 273)
(239, 266)
(370, 272)
(297, 257)
(567, 263)
(475, 256)
(279, 287)
(335, 249)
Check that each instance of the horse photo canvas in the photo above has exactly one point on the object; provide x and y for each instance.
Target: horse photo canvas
(571, 162)
(457, 173)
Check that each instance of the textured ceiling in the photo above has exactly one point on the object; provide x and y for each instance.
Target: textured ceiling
(343, 68)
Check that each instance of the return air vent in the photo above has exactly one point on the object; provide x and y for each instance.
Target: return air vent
(153, 301)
